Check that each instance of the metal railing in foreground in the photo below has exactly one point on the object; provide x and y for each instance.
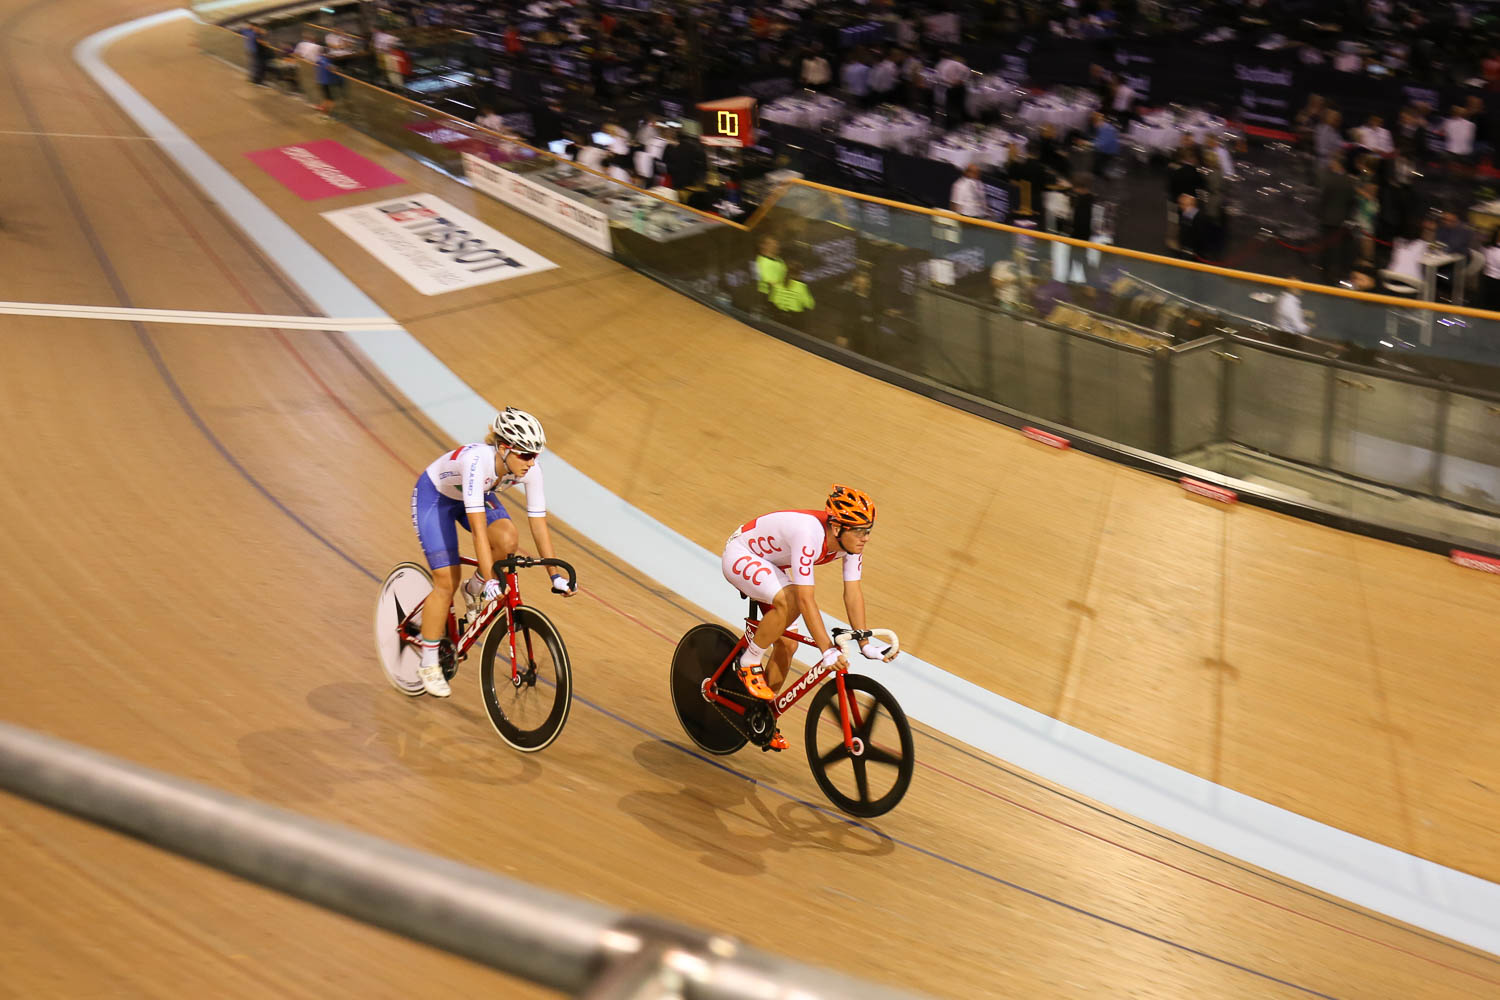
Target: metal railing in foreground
(546, 937)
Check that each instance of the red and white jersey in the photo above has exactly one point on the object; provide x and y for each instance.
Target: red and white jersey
(792, 540)
(468, 473)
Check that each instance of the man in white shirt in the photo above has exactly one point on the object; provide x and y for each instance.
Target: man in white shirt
(883, 76)
(308, 50)
(856, 78)
(1406, 257)
(1458, 132)
(815, 70)
(967, 196)
(1124, 103)
(1374, 136)
(952, 75)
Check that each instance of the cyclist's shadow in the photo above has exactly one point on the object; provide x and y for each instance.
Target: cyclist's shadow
(385, 737)
(725, 816)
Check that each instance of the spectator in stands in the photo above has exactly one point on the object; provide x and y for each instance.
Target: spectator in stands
(967, 194)
(487, 119)
(791, 298)
(1307, 120)
(1484, 141)
(1192, 228)
(340, 44)
(854, 77)
(1183, 177)
(1453, 233)
(255, 53)
(1122, 101)
(884, 76)
(1458, 131)
(770, 269)
(914, 80)
(1328, 139)
(383, 41)
(684, 161)
(1028, 182)
(1106, 142)
(1411, 133)
(1406, 256)
(815, 71)
(308, 49)
(1363, 217)
(1490, 291)
(1374, 136)
(650, 131)
(952, 75)
(329, 83)
(1335, 206)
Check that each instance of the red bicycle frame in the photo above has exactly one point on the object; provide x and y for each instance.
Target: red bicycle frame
(782, 703)
(462, 643)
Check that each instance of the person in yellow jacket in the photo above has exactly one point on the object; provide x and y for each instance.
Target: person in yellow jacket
(791, 298)
(770, 269)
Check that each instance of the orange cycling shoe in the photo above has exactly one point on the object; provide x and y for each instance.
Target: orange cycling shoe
(754, 679)
(778, 742)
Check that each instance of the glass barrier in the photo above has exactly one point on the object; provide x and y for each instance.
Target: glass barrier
(1377, 408)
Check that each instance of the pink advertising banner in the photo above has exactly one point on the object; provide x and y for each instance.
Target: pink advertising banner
(322, 169)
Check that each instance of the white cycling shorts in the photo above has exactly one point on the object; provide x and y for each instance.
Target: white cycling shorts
(753, 576)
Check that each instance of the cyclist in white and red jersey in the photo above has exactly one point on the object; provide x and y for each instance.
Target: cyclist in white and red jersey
(459, 491)
(771, 560)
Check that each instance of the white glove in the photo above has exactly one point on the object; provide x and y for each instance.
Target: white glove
(874, 649)
(492, 589)
(831, 655)
(560, 585)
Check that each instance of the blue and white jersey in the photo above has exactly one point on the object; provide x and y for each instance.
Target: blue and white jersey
(468, 473)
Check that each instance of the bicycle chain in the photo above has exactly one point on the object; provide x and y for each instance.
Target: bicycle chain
(761, 741)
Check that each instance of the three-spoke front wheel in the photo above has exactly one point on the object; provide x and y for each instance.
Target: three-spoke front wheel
(527, 705)
(871, 777)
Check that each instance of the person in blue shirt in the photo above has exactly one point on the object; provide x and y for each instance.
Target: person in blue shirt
(1106, 142)
(328, 81)
(255, 55)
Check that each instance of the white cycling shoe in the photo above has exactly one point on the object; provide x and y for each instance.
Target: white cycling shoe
(433, 681)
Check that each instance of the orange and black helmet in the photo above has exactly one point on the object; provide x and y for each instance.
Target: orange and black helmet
(850, 508)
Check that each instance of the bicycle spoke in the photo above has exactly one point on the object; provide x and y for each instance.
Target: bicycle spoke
(881, 756)
(860, 779)
(863, 730)
(839, 752)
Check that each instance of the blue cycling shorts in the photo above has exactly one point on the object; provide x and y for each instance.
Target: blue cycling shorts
(437, 519)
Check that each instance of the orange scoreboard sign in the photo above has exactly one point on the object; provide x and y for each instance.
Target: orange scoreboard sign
(730, 122)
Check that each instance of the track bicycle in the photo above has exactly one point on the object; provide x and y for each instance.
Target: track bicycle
(524, 675)
(720, 716)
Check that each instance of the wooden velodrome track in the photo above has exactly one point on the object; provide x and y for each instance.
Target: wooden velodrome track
(193, 589)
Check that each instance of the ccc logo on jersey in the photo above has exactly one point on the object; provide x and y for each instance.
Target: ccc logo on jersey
(750, 570)
(805, 561)
(763, 546)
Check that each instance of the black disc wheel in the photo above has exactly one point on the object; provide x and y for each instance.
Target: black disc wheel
(872, 776)
(699, 653)
(528, 705)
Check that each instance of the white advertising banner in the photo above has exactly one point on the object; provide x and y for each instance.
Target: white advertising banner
(433, 245)
(583, 223)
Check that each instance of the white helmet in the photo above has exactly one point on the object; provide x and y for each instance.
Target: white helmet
(519, 430)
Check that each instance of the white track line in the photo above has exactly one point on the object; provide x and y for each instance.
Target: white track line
(1373, 875)
(254, 320)
(76, 135)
